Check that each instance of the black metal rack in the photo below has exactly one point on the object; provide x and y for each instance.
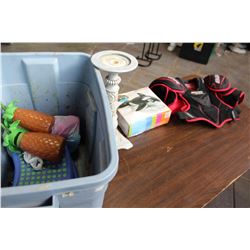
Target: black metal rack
(150, 53)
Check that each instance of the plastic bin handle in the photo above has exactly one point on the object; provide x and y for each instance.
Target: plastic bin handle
(55, 202)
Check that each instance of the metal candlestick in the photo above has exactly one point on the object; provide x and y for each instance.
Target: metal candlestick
(114, 62)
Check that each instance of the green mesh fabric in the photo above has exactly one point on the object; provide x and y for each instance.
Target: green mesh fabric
(51, 172)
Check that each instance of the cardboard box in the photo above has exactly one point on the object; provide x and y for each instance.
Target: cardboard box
(141, 110)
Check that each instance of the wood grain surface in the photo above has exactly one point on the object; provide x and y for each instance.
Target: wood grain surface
(181, 164)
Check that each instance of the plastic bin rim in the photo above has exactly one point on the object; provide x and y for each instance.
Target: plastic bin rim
(77, 183)
(89, 181)
(45, 53)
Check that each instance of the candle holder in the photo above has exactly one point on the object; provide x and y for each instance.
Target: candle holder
(114, 63)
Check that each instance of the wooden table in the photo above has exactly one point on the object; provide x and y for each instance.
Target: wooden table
(181, 164)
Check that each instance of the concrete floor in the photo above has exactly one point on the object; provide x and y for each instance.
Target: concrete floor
(236, 67)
